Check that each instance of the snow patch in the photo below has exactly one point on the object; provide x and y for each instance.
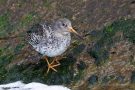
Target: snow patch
(31, 86)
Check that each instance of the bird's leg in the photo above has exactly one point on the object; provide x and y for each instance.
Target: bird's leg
(57, 59)
(51, 65)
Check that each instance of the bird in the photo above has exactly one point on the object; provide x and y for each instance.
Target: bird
(51, 40)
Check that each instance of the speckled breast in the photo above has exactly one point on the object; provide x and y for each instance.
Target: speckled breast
(56, 48)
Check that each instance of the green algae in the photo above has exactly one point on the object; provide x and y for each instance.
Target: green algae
(4, 61)
(127, 26)
(37, 72)
(100, 51)
(26, 20)
(47, 3)
(2, 2)
(5, 25)
(18, 48)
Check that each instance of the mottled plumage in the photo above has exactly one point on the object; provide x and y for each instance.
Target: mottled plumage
(51, 40)
(47, 41)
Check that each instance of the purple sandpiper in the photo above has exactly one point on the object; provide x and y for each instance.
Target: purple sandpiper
(51, 40)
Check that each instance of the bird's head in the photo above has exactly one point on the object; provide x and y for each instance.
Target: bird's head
(64, 26)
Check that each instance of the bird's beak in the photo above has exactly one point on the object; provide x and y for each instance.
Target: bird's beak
(73, 31)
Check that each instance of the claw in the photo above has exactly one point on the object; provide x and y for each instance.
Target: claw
(51, 65)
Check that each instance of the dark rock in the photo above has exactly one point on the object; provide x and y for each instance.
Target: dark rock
(120, 79)
(77, 50)
(93, 79)
(107, 78)
(133, 77)
(132, 2)
(81, 65)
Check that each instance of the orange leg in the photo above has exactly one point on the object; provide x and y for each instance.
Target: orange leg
(52, 65)
(58, 59)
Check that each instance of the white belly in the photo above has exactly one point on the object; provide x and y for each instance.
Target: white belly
(52, 50)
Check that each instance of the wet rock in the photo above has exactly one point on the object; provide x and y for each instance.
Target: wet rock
(120, 79)
(133, 77)
(106, 79)
(81, 65)
(78, 49)
(93, 79)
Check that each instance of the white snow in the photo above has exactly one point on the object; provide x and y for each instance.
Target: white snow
(31, 86)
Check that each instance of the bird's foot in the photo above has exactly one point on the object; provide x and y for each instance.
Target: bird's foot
(52, 65)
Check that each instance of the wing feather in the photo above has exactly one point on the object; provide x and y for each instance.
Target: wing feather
(37, 33)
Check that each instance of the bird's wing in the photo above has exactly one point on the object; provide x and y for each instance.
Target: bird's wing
(37, 33)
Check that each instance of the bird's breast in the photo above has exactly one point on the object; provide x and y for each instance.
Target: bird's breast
(55, 46)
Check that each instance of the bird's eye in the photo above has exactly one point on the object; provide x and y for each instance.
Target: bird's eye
(64, 25)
